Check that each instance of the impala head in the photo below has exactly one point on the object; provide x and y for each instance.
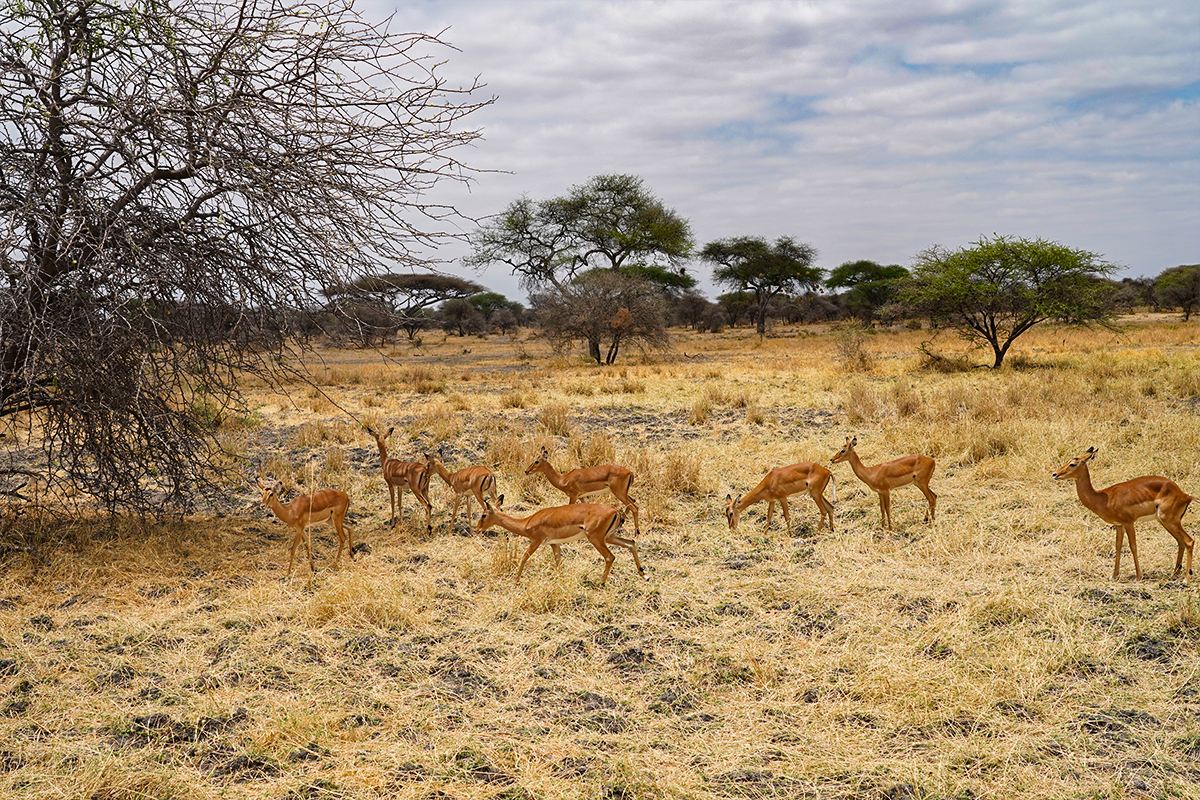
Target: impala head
(488, 518)
(270, 492)
(541, 459)
(1071, 469)
(731, 512)
(847, 449)
(381, 438)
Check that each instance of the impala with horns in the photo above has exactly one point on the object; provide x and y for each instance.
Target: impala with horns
(469, 481)
(781, 483)
(882, 478)
(588, 481)
(325, 505)
(399, 475)
(1122, 505)
(599, 524)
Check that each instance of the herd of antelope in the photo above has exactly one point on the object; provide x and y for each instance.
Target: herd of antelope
(1120, 505)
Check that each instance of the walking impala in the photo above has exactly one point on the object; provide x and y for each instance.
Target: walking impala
(1123, 504)
(476, 481)
(599, 524)
(326, 505)
(589, 480)
(401, 474)
(889, 475)
(779, 484)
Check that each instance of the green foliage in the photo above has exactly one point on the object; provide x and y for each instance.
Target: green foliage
(751, 263)
(611, 221)
(871, 285)
(999, 288)
(1179, 287)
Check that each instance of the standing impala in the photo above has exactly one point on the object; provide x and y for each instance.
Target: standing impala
(889, 475)
(779, 484)
(401, 474)
(589, 480)
(476, 481)
(1123, 504)
(599, 524)
(326, 505)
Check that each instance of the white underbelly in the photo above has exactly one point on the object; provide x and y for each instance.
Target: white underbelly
(575, 537)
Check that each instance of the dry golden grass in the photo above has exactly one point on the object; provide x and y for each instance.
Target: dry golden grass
(987, 656)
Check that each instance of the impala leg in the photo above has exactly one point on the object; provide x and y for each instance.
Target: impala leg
(1137, 568)
(312, 569)
(557, 550)
(454, 512)
(931, 497)
(787, 516)
(631, 546)
(1117, 559)
(609, 558)
(885, 508)
(295, 543)
(770, 509)
(533, 545)
(633, 506)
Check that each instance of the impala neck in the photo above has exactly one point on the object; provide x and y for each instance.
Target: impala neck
(860, 469)
(1083, 486)
(283, 512)
(552, 475)
(383, 456)
(509, 522)
(440, 469)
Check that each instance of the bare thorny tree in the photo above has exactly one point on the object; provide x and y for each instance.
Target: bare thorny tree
(177, 179)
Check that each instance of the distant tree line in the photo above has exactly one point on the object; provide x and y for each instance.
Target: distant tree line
(605, 266)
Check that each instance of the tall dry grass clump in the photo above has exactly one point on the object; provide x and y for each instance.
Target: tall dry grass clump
(850, 346)
(555, 419)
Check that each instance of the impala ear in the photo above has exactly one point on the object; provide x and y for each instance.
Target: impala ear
(728, 498)
(500, 501)
(854, 441)
(1092, 451)
(389, 433)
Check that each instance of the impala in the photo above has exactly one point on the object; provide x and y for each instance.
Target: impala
(399, 475)
(589, 480)
(1123, 504)
(476, 481)
(779, 484)
(882, 478)
(326, 505)
(599, 524)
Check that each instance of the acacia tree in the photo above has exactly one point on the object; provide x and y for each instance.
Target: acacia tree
(611, 222)
(870, 286)
(404, 295)
(1179, 287)
(752, 264)
(605, 309)
(999, 288)
(176, 180)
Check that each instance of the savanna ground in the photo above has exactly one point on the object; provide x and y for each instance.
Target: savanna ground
(987, 656)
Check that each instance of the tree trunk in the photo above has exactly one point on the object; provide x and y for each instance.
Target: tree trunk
(594, 350)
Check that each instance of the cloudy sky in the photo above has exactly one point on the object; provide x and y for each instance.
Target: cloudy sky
(867, 129)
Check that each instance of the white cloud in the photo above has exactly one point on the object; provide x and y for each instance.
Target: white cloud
(870, 129)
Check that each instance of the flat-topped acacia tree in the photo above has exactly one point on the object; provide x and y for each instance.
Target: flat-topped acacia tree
(177, 182)
(998, 288)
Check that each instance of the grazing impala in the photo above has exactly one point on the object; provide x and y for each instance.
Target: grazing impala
(1123, 504)
(401, 474)
(476, 481)
(779, 484)
(589, 480)
(326, 505)
(889, 475)
(599, 524)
